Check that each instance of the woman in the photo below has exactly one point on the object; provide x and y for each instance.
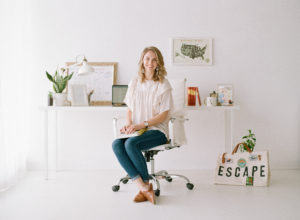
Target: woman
(149, 101)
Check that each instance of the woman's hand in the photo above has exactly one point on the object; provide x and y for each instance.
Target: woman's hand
(124, 129)
(128, 129)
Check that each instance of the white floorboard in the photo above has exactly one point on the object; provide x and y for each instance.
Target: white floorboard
(88, 196)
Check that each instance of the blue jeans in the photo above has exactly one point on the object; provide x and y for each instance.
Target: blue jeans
(129, 152)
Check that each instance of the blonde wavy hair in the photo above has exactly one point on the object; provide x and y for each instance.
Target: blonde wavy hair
(160, 71)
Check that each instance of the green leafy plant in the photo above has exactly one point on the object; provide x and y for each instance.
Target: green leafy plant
(89, 96)
(59, 80)
(250, 140)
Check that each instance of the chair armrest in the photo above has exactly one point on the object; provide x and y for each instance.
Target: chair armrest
(115, 126)
(117, 121)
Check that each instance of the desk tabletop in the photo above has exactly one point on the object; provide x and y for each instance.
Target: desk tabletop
(203, 107)
(124, 108)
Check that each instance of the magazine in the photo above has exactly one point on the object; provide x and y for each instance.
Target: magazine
(136, 133)
(123, 135)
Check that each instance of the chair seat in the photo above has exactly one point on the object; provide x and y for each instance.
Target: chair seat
(162, 147)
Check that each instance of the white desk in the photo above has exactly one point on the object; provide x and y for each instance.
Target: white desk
(46, 109)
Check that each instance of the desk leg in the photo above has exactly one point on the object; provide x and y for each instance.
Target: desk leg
(228, 131)
(46, 142)
(56, 141)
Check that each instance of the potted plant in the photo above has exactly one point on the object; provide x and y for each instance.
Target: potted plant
(59, 81)
(250, 140)
(50, 98)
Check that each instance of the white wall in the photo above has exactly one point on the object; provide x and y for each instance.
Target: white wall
(256, 48)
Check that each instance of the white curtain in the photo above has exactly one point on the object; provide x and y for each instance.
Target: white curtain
(14, 68)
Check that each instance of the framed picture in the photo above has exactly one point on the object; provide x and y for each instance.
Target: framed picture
(100, 81)
(192, 51)
(79, 96)
(225, 94)
(118, 94)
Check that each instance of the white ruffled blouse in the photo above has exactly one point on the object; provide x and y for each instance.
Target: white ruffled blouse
(148, 99)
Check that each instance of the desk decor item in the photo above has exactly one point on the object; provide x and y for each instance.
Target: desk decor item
(84, 69)
(213, 94)
(225, 95)
(118, 94)
(210, 101)
(193, 93)
(59, 80)
(50, 99)
(100, 81)
(246, 167)
(192, 51)
(79, 96)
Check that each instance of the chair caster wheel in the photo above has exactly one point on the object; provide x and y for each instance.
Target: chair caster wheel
(125, 181)
(115, 188)
(157, 192)
(190, 186)
(169, 179)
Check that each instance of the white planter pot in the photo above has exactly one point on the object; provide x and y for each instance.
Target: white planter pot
(60, 99)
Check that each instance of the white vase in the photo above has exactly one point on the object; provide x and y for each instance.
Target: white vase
(60, 99)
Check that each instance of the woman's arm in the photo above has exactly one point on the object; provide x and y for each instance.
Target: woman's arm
(157, 119)
(153, 121)
(129, 117)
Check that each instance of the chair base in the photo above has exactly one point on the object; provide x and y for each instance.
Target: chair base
(155, 177)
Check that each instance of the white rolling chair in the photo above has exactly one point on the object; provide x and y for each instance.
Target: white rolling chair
(176, 139)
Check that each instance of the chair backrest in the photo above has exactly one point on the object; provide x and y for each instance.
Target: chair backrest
(179, 95)
(177, 131)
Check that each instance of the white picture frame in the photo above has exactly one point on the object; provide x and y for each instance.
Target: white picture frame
(192, 51)
(225, 94)
(100, 81)
(79, 96)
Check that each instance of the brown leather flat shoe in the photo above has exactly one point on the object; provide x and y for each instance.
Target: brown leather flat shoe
(149, 195)
(140, 197)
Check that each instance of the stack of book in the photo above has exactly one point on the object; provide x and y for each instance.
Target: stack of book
(193, 93)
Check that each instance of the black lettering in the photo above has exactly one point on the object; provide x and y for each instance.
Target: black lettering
(254, 169)
(229, 172)
(237, 174)
(220, 171)
(245, 172)
(262, 171)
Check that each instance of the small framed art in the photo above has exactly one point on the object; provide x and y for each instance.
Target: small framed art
(192, 51)
(118, 94)
(79, 96)
(225, 95)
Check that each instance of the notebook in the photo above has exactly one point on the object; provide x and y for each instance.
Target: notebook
(123, 135)
(134, 134)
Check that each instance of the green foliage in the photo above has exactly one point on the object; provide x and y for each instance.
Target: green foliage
(59, 80)
(89, 96)
(250, 140)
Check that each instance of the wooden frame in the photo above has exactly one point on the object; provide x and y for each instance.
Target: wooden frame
(192, 51)
(100, 82)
